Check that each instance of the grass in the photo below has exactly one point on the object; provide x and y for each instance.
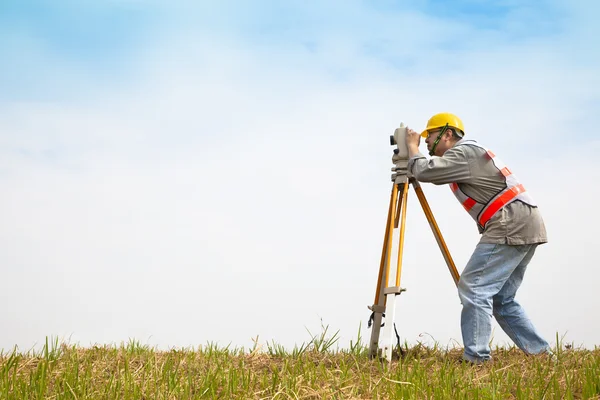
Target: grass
(311, 371)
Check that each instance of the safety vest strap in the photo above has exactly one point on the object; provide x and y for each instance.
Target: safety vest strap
(514, 190)
(505, 198)
(467, 202)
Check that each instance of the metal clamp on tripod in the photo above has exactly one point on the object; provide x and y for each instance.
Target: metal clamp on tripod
(385, 295)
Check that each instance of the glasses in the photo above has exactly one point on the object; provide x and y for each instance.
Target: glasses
(437, 132)
(434, 133)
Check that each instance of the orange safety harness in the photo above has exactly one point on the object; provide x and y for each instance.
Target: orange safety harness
(514, 190)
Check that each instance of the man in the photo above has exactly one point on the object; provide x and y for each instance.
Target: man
(510, 225)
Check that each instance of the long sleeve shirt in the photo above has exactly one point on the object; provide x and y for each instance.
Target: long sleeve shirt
(477, 177)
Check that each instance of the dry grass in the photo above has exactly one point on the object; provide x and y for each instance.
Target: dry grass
(313, 371)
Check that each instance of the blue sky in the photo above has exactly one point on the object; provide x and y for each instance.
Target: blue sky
(167, 152)
(94, 42)
(101, 42)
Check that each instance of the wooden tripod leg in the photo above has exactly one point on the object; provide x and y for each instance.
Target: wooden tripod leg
(402, 203)
(385, 252)
(392, 291)
(436, 231)
(378, 307)
(399, 206)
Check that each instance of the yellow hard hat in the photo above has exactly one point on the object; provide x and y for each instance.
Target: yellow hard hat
(440, 120)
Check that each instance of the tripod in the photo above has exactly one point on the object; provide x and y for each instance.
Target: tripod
(385, 295)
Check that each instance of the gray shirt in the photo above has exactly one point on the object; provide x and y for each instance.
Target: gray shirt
(477, 177)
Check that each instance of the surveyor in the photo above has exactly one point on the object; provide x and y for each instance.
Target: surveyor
(508, 220)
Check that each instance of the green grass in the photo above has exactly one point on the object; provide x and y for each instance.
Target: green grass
(311, 371)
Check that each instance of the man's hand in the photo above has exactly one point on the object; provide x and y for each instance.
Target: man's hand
(413, 139)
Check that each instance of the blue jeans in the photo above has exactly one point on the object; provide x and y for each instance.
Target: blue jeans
(487, 286)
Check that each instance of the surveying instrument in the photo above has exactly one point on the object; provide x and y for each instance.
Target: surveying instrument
(385, 295)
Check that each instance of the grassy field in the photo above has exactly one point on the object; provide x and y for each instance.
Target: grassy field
(315, 370)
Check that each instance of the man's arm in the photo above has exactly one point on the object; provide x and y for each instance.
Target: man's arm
(413, 150)
(453, 166)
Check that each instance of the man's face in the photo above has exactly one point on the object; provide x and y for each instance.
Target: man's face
(444, 144)
(431, 138)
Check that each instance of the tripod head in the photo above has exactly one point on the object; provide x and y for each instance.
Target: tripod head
(400, 157)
